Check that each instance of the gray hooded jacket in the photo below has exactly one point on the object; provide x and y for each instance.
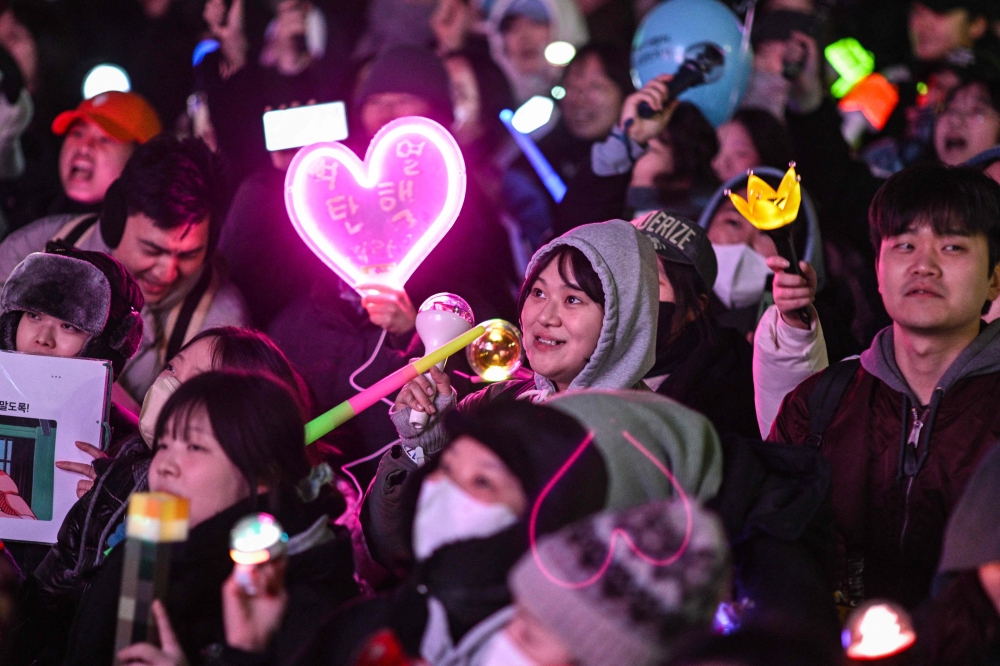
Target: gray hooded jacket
(625, 261)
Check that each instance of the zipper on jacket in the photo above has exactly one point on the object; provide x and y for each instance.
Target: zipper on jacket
(910, 467)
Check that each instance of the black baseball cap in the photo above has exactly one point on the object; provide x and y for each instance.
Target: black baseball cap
(682, 241)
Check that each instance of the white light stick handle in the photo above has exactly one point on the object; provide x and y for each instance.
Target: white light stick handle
(419, 419)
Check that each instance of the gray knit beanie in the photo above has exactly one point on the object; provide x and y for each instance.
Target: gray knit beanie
(634, 606)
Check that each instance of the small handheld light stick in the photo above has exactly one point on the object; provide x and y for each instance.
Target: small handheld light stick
(155, 522)
(254, 540)
(441, 318)
(773, 212)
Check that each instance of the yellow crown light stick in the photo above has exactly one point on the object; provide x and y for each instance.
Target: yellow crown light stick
(155, 522)
(774, 212)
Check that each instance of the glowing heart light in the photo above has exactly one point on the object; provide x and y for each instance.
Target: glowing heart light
(374, 222)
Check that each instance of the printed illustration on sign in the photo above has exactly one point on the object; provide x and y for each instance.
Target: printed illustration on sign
(27, 456)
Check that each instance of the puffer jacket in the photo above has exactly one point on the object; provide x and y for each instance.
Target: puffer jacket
(891, 499)
(50, 595)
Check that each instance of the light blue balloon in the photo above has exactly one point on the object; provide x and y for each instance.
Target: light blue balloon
(672, 30)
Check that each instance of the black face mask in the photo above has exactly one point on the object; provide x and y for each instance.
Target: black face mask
(671, 353)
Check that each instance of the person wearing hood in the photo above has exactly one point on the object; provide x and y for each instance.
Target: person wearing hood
(698, 362)
(769, 497)
(52, 591)
(231, 444)
(960, 625)
(588, 316)
(518, 32)
(641, 617)
(916, 415)
(510, 472)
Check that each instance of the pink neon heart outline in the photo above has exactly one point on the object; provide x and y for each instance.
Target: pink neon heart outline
(367, 174)
(617, 533)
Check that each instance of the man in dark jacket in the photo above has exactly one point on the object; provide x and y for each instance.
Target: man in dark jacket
(919, 414)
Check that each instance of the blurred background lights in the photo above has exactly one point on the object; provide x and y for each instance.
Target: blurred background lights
(558, 92)
(104, 78)
(533, 114)
(559, 53)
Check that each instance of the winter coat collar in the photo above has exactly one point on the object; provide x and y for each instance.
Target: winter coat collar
(981, 357)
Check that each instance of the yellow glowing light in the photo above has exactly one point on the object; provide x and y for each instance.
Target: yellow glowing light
(495, 355)
(766, 208)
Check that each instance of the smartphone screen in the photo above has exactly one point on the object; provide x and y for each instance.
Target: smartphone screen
(305, 125)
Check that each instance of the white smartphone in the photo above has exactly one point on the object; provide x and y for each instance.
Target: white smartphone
(305, 125)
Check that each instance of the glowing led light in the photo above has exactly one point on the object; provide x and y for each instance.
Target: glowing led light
(558, 92)
(105, 78)
(877, 630)
(851, 61)
(534, 113)
(203, 48)
(617, 533)
(560, 53)
(495, 355)
(374, 222)
(257, 538)
(922, 88)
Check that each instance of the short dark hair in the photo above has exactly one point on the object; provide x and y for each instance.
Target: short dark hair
(693, 144)
(688, 289)
(246, 350)
(952, 200)
(255, 420)
(583, 271)
(614, 59)
(769, 136)
(175, 183)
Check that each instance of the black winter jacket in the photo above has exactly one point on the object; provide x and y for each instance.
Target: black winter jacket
(316, 579)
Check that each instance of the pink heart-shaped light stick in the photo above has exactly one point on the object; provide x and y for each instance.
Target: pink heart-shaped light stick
(374, 222)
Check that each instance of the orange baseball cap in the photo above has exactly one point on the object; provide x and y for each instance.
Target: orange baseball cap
(124, 116)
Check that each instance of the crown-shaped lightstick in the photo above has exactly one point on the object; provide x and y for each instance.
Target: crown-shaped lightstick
(774, 212)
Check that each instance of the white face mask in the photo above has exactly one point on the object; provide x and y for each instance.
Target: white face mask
(446, 514)
(500, 650)
(742, 275)
(152, 405)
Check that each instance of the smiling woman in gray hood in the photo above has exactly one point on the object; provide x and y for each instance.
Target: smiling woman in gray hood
(588, 312)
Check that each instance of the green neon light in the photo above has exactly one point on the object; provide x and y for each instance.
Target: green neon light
(851, 61)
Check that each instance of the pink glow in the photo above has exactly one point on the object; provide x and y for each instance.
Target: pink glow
(373, 223)
(617, 532)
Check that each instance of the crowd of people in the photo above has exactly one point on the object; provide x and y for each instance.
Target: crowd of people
(710, 456)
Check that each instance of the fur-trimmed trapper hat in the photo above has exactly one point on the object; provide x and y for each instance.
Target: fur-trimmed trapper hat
(89, 290)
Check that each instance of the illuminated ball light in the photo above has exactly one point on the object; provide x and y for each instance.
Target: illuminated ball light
(560, 53)
(496, 354)
(105, 78)
(877, 630)
(256, 539)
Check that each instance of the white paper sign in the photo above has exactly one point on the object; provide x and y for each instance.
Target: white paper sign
(46, 405)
